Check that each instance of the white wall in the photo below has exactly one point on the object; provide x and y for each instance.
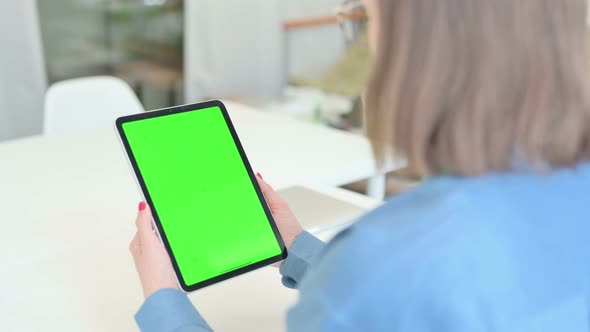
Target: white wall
(239, 48)
(22, 74)
(233, 48)
(312, 51)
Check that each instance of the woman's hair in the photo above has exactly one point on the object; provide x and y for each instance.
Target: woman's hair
(469, 86)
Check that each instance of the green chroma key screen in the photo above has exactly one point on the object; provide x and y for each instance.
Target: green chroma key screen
(205, 200)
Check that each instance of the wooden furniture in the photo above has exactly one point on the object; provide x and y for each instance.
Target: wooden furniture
(318, 21)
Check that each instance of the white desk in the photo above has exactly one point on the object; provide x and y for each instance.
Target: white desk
(67, 208)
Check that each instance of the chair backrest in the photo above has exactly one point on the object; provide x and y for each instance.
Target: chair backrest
(87, 103)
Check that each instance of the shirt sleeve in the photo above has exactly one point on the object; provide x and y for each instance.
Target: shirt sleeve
(169, 310)
(303, 253)
(326, 300)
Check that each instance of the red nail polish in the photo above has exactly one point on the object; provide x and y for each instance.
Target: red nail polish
(142, 206)
(260, 176)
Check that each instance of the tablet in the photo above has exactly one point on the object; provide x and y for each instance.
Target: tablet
(206, 203)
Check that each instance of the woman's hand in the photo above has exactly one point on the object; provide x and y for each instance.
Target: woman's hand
(288, 225)
(151, 259)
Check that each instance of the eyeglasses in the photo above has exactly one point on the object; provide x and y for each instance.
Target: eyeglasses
(352, 18)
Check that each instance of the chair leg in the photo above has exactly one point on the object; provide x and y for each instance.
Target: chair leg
(376, 187)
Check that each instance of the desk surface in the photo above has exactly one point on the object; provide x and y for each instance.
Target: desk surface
(68, 205)
(285, 151)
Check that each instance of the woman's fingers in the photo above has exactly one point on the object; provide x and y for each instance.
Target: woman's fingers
(134, 246)
(273, 199)
(265, 187)
(144, 222)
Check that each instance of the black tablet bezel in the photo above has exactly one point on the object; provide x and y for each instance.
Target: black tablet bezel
(196, 108)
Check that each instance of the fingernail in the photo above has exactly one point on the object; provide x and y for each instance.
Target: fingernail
(142, 206)
(260, 176)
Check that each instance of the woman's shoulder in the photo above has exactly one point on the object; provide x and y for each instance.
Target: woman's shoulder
(427, 205)
(413, 227)
(436, 253)
(396, 258)
(497, 198)
(436, 231)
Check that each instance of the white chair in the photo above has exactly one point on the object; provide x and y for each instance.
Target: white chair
(87, 103)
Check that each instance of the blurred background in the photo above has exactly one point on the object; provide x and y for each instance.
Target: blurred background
(289, 57)
(290, 72)
(300, 59)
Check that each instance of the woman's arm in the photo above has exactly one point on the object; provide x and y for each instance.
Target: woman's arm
(303, 248)
(168, 309)
(303, 253)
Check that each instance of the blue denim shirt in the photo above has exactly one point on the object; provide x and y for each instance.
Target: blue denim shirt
(503, 252)
(171, 310)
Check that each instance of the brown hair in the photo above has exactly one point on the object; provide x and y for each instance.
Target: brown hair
(466, 86)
